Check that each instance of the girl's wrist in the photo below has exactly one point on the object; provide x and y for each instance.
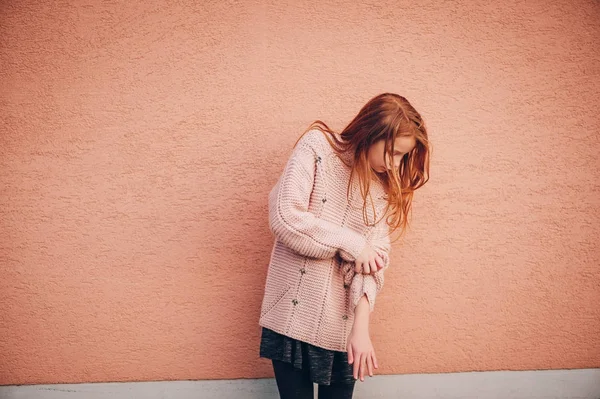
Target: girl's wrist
(360, 327)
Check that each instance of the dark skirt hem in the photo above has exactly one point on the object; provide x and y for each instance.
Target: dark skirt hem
(323, 366)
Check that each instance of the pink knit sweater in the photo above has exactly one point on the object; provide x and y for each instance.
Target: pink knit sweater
(311, 288)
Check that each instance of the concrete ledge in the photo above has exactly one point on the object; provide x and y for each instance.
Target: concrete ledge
(543, 384)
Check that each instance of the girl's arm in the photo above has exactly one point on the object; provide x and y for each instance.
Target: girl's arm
(360, 348)
(369, 285)
(361, 315)
(296, 227)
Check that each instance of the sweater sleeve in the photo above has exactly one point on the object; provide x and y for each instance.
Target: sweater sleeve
(296, 227)
(369, 284)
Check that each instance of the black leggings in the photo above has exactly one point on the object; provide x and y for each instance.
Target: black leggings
(295, 384)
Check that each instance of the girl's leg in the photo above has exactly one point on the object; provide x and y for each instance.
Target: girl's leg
(336, 391)
(291, 382)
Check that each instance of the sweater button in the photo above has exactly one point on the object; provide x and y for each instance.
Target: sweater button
(295, 302)
(324, 200)
(302, 271)
(345, 317)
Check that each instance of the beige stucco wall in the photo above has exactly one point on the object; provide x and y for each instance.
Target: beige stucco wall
(139, 141)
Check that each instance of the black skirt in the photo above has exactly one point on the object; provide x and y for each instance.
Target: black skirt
(324, 366)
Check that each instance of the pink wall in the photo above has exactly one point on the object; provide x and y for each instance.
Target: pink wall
(139, 141)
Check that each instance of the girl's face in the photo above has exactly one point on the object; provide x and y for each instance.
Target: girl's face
(377, 159)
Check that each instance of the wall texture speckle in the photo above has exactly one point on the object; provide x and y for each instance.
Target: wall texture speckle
(139, 140)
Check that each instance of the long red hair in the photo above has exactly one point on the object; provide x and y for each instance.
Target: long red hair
(386, 116)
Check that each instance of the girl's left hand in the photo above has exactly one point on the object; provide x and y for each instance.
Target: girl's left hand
(361, 353)
(369, 267)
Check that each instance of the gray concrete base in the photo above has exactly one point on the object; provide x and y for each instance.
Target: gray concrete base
(544, 384)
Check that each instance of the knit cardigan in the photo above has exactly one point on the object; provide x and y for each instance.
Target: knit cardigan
(311, 287)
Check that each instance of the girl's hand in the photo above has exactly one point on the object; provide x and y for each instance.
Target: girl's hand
(361, 352)
(368, 262)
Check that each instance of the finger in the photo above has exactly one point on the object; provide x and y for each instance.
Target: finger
(375, 360)
(373, 264)
(363, 366)
(355, 368)
(358, 267)
(370, 364)
(350, 357)
(379, 261)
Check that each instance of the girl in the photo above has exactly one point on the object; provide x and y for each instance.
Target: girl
(332, 245)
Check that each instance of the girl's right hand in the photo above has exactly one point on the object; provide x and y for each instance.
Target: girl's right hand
(369, 261)
(361, 353)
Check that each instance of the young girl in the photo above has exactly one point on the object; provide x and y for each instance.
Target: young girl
(332, 211)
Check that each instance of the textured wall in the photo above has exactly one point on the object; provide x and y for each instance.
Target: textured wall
(139, 141)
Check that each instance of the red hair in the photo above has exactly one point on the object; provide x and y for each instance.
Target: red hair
(386, 116)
